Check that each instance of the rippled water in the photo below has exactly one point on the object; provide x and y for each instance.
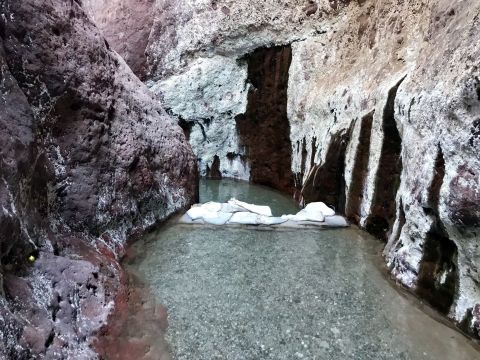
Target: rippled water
(283, 294)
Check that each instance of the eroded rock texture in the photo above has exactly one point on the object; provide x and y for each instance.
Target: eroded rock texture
(405, 74)
(88, 159)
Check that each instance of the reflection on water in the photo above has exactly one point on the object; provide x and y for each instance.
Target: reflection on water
(283, 294)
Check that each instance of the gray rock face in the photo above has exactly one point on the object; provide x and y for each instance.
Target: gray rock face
(88, 159)
(384, 93)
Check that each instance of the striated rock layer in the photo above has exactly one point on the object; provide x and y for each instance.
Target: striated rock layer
(88, 159)
(383, 107)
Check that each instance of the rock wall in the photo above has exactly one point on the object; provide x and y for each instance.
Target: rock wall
(127, 25)
(88, 159)
(383, 108)
(392, 70)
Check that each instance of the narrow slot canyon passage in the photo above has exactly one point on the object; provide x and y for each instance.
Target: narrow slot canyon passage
(243, 293)
(239, 180)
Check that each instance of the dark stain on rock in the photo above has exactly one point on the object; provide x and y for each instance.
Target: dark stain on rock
(401, 223)
(264, 129)
(474, 140)
(214, 172)
(225, 10)
(311, 8)
(186, 126)
(472, 315)
(382, 213)
(360, 170)
(303, 164)
(438, 274)
(314, 152)
(463, 199)
(326, 182)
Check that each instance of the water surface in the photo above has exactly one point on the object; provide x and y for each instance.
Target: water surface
(238, 293)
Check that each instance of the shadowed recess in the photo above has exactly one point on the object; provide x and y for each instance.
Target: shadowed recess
(382, 214)
(264, 128)
(213, 172)
(360, 170)
(438, 274)
(326, 182)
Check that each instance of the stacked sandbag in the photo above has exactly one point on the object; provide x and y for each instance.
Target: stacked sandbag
(241, 213)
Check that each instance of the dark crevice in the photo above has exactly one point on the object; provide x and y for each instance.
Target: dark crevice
(401, 223)
(50, 339)
(438, 275)
(314, 152)
(360, 170)
(477, 88)
(186, 126)
(326, 182)
(298, 177)
(304, 157)
(475, 134)
(264, 129)
(437, 181)
(382, 213)
(213, 172)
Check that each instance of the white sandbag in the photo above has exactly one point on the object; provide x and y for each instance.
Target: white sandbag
(336, 221)
(198, 212)
(246, 218)
(229, 208)
(304, 215)
(270, 220)
(212, 206)
(313, 215)
(319, 207)
(257, 209)
(297, 217)
(217, 218)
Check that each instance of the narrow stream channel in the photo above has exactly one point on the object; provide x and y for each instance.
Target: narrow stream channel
(244, 293)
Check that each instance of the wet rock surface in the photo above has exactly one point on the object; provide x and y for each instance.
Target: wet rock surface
(88, 159)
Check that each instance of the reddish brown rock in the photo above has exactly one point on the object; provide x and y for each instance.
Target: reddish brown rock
(88, 160)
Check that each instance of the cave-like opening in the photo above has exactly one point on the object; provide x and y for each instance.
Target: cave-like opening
(264, 128)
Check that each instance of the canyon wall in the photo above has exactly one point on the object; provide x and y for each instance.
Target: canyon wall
(383, 110)
(89, 159)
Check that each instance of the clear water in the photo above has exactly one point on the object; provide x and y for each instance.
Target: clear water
(284, 294)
